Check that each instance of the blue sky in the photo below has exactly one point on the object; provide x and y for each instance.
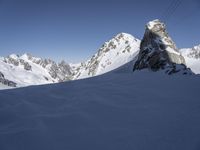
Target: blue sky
(73, 30)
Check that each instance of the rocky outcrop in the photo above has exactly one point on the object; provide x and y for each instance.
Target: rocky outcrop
(16, 61)
(12, 59)
(26, 65)
(158, 51)
(61, 71)
(6, 81)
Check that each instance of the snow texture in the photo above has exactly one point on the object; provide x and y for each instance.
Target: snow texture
(115, 111)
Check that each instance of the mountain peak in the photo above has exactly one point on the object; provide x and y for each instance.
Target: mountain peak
(14, 56)
(157, 49)
(114, 53)
(151, 24)
(26, 56)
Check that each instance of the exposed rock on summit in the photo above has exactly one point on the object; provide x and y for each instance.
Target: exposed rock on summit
(158, 51)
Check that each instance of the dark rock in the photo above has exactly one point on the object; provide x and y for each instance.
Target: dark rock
(157, 50)
(6, 82)
(27, 66)
(13, 61)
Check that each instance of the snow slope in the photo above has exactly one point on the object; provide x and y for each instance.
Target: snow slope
(118, 51)
(192, 58)
(115, 111)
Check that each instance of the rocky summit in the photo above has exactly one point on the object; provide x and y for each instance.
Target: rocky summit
(158, 51)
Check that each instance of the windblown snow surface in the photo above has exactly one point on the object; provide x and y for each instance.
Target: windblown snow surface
(116, 111)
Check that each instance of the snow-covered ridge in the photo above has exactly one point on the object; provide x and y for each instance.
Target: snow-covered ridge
(28, 70)
(192, 58)
(192, 52)
(120, 50)
(24, 70)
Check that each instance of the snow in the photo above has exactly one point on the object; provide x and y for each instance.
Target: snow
(151, 24)
(113, 58)
(109, 58)
(115, 111)
(191, 62)
(14, 56)
(2, 86)
(23, 77)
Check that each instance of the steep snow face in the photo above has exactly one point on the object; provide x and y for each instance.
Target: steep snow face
(192, 58)
(157, 50)
(115, 111)
(28, 70)
(118, 51)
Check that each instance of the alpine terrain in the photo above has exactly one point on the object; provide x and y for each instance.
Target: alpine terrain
(192, 58)
(156, 51)
(143, 96)
(18, 71)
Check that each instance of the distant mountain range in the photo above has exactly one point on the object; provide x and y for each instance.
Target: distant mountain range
(155, 51)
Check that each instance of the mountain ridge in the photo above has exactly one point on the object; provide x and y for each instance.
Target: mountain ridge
(25, 70)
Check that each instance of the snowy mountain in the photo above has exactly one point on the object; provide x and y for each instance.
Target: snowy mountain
(18, 71)
(120, 50)
(192, 58)
(158, 51)
(120, 109)
(28, 70)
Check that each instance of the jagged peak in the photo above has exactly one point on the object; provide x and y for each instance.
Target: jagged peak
(155, 23)
(157, 49)
(13, 56)
(157, 30)
(123, 34)
(197, 47)
(26, 56)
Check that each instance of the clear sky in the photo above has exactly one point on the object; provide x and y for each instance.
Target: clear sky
(73, 30)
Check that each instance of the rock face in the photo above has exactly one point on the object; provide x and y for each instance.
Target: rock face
(157, 50)
(6, 81)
